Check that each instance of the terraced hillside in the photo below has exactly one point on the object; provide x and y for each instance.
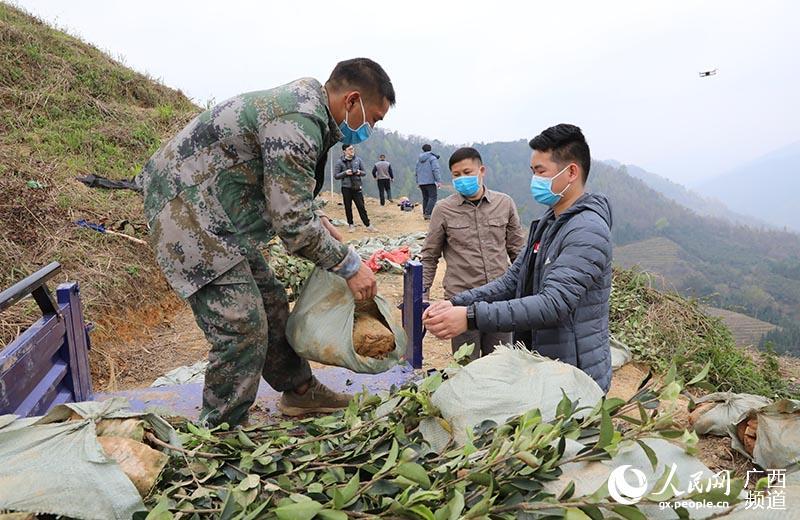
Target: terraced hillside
(666, 260)
(747, 331)
(659, 256)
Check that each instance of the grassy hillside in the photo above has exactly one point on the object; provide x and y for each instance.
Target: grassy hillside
(67, 109)
(664, 259)
(663, 328)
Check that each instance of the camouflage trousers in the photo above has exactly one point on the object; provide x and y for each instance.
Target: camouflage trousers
(243, 314)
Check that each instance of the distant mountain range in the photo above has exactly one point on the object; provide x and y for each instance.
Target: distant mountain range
(698, 248)
(766, 187)
(701, 204)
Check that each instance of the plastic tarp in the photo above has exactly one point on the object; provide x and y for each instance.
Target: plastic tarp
(777, 444)
(54, 465)
(512, 381)
(320, 326)
(392, 261)
(384, 253)
(509, 382)
(366, 247)
(729, 410)
(591, 476)
(620, 354)
(182, 375)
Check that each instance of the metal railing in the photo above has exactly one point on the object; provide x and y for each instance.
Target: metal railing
(48, 363)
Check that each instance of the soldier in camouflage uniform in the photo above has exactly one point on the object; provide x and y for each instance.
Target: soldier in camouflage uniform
(233, 178)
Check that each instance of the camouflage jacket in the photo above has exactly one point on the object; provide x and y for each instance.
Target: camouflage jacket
(237, 175)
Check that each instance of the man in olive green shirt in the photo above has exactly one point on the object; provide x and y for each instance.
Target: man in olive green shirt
(478, 232)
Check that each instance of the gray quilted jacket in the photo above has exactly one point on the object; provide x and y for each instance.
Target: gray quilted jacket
(560, 307)
(354, 181)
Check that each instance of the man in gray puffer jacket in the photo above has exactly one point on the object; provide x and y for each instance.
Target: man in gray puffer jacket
(429, 179)
(554, 297)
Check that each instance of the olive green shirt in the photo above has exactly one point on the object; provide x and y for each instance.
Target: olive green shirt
(478, 242)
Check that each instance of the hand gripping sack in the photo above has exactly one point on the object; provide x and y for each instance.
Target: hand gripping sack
(320, 326)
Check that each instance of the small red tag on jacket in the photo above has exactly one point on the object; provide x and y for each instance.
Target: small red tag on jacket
(536, 247)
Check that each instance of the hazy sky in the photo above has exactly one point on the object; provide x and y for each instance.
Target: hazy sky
(625, 71)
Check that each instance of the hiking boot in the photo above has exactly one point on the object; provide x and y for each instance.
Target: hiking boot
(317, 399)
(351, 228)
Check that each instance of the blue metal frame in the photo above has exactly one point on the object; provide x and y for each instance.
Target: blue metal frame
(48, 364)
(413, 306)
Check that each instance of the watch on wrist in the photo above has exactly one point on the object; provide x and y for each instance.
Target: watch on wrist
(471, 323)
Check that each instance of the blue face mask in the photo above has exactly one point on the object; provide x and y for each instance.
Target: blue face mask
(467, 185)
(359, 135)
(542, 189)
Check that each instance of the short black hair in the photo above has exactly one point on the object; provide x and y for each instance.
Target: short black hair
(346, 146)
(426, 148)
(466, 152)
(382, 155)
(567, 144)
(364, 75)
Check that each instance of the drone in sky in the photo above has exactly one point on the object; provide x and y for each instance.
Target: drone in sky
(707, 73)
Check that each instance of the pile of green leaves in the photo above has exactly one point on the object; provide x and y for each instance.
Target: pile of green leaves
(662, 328)
(370, 461)
(291, 271)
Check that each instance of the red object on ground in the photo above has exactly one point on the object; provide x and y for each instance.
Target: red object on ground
(400, 256)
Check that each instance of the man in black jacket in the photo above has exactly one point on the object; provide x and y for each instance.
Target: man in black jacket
(350, 170)
(554, 297)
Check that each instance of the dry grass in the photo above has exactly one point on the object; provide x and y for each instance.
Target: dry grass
(67, 109)
(664, 328)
